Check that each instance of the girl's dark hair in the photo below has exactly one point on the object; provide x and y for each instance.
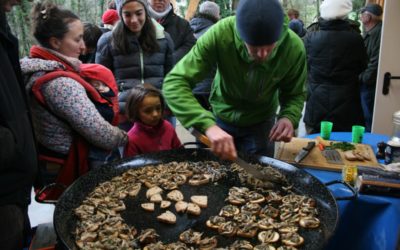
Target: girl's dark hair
(48, 20)
(147, 38)
(136, 97)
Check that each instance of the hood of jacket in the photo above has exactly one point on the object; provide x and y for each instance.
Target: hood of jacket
(200, 23)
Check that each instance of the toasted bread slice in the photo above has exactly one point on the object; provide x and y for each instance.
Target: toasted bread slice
(201, 200)
(175, 195)
(167, 217)
(193, 209)
(156, 198)
(181, 206)
(165, 204)
(148, 206)
(152, 191)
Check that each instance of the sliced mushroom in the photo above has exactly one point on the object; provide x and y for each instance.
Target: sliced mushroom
(268, 236)
(309, 222)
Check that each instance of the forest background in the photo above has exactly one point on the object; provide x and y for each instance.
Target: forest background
(92, 10)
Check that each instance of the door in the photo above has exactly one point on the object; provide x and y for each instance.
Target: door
(386, 105)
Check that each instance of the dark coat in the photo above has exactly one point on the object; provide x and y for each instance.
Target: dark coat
(129, 70)
(372, 41)
(180, 32)
(200, 25)
(18, 163)
(335, 56)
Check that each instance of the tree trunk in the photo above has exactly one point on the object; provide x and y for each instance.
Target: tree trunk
(192, 8)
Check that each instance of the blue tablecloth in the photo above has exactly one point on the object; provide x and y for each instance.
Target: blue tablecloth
(368, 222)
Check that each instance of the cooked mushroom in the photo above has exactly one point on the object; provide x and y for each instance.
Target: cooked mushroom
(228, 228)
(264, 246)
(292, 239)
(241, 245)
(208, 243)
(268, 236)
(309, 222)
(190, 237)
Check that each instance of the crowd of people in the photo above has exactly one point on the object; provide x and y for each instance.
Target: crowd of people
(87, 95)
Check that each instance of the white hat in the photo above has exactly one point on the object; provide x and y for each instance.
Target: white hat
(335, 9)
(209, 8)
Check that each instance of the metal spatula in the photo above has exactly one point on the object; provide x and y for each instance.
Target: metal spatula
(332, 156)
(251, 169)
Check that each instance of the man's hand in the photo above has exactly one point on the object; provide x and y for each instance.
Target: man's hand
(282, 130)
(221, 143)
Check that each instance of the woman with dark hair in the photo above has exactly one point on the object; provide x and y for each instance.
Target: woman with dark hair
(137, 50)
(150, 132)
(65, 117)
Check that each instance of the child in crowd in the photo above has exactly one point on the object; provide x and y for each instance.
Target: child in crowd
(150, 132)
(103, 81)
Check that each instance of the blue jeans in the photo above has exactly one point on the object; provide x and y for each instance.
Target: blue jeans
(252, 139)
(367, 104)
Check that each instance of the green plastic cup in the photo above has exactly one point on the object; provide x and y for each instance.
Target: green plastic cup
(357, 133)
(326, 129)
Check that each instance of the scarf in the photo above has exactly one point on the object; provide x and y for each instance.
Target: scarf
(159, 15)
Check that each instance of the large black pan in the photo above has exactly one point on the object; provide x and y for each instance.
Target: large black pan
(304, 183)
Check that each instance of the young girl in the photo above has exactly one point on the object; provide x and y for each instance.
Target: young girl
(150, 133)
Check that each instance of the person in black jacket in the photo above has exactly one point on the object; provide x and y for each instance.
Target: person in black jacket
(137, 51)
(335, 56)
(18, 163)
(177, 27)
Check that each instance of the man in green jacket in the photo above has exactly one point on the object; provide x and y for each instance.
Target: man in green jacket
(260, 65)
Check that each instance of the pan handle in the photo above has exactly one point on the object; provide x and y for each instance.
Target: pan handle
(47, 188)
(340, 198)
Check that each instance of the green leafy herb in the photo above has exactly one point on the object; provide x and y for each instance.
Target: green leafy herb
(344, 146)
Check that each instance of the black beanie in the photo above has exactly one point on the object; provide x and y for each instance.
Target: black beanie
(259, 22)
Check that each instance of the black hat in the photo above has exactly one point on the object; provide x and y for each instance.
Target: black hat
(259, 22)
(373, 8)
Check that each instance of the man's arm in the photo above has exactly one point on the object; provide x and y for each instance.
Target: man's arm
(178, 85)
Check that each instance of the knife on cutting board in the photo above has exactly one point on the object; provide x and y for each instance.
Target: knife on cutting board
(251, 169)
(304, 151)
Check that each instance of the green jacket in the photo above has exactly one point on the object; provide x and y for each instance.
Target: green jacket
(244, 93)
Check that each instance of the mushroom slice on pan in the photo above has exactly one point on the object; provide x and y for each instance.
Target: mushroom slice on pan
(264, 246)
(268, 236)
(266, 223)
(155, 246)
(177, 246)
(255, 197)
(215, 221)
(190, 237)
(175, 195)
(253, 208)
(309, 222)
(229, 211)
(148, 236)
(292, 239)
(228, 228)
(153, 191)
(241, 245)
(248, 230)
(208, 243)
(286, 248)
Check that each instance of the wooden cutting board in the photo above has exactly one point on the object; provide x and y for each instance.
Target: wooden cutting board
(288, 151)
